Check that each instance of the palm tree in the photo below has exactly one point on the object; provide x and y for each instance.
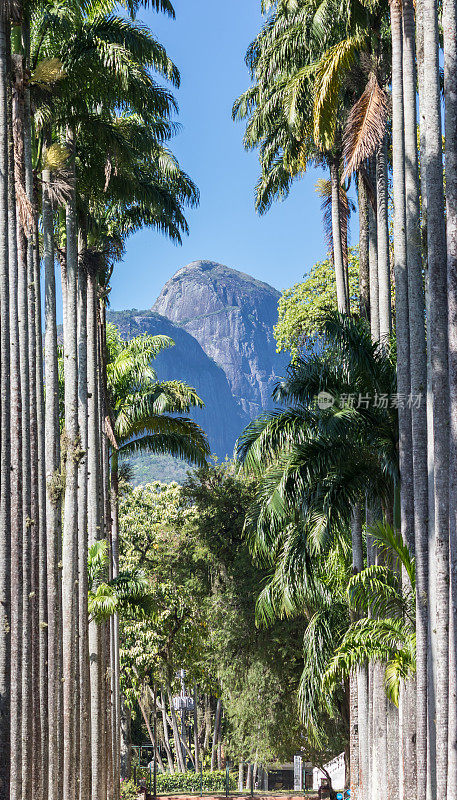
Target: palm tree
(5, 540)
(282, 61)
(418, 364)
(436, 248)
(388, 635)
(16, 484)
(450, 64)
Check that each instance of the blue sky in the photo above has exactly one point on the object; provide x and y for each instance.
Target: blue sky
(208, 41)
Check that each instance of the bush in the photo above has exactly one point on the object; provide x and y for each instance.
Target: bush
(168, 783)
(128, 790)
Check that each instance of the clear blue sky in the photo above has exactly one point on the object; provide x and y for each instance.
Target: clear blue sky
(208, 41)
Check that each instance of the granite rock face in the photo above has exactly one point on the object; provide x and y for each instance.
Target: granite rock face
(222, 323)
(188, 362)
(232, 316)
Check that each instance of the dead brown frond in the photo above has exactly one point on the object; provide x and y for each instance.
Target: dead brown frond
(24, 210)
(324, 190)
(60, 188)
(365, 127)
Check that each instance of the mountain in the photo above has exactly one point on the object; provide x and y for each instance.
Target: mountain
(221, 321)
(188, 361)
(231, 315)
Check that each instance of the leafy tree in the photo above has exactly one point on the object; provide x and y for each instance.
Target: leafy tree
(258, 673)
(301, 308)
(387, 592)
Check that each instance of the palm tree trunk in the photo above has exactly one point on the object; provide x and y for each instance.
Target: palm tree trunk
(359, 774)
(379, 731)
(5, 462)
(383, 275)
(16, 483)
(42, 544)
(373, 270)
(53, 489)
(37, 764)
(83, 653)
(450, 89)
(196, 742)
(393, 753)
(354, 767)
(364, 274)
(341, 292)
(115, 620)
(436, 243)
(403, 357)
(94, 526)
(70, 556)
(18, 131)
(418, 360)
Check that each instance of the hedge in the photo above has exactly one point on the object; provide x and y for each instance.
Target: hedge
(171, 783)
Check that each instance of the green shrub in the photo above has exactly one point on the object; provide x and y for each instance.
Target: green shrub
(168, 783)
(128, 790)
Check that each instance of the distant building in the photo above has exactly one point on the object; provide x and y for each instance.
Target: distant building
(337, 771)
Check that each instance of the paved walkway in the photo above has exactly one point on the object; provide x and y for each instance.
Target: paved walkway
(257, 796)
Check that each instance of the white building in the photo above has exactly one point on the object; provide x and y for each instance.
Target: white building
(337, 771)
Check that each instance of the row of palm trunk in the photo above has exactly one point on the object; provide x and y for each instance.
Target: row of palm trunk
(59, 682)
(412, 752)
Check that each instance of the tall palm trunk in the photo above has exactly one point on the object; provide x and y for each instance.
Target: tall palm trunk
(196, 742)
(364, 274)
(5, 462)
(373, 270)
(53, 489)
(69, 557)
(42, 543)
(403, 358)
(450, 89)
(115, 642)
(436, 245)
(83, 654)
(340, 272)
(359, 777)
(16, 483)
(18, 131)
(401, 279)
(418, 361)
(383, 274)
(37, 764)
(393, 753)
(94, 527)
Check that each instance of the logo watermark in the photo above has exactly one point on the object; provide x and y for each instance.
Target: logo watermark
(396, 400)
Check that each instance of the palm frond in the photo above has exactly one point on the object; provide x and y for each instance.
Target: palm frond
(334, 64)
(365, 126)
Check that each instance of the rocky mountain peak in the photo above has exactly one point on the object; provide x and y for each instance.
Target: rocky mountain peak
(231, 314)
